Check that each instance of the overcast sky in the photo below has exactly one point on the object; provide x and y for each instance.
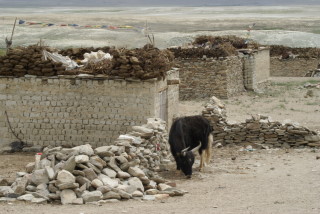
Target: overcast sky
(149, 3)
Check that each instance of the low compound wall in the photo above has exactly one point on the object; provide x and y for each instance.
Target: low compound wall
(296, 67)
(74, 111)
(259, 131)
(202, 78)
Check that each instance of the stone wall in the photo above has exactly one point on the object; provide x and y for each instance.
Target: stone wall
(74, 111)
(202, 78)
(258, 131)
(296, 67)
(256, 67)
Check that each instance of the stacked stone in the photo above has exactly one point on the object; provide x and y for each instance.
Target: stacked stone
(29, 60)
(82, 174)
(259, 130)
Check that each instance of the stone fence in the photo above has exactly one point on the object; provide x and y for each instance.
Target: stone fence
(202, 78)
(259, 131)
(297, 67)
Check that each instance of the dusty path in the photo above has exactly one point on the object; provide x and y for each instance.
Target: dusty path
(266, 181)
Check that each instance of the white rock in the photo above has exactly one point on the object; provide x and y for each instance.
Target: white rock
(39, 201)
(163, 187)
(135, 182)
(67, 196)
(137, 194)
(108, 181)
(96, 183)
(50, 172)
(84, 149)
(65, 176)
(91, 196)
(123, 175)
(26, 197)
(136, 172)
(109, 172)
(82, 159)
(39, 176)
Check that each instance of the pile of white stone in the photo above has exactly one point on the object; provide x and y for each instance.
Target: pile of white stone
(125, 170)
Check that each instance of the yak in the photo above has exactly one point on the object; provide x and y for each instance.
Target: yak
(188, 135)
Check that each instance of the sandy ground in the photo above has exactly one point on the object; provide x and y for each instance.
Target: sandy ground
(260, 181)
(297, 26)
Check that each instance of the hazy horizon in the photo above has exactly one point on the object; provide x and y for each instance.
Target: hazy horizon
(152, 3)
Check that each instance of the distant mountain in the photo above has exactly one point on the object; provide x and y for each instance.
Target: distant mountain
(150, 3)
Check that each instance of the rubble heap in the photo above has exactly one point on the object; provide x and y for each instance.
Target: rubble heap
(82, 174)
(28, 60)
(258, 130)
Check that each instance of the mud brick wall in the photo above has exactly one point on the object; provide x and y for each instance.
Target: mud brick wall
(75, 111)
(203, 78)
(296, 67)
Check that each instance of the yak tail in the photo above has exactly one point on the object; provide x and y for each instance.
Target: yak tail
(208, 150)
(206, 154)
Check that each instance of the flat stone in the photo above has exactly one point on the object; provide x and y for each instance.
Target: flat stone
(162, 196)
(96, 183)
(152, 191)
(143, 131)
(113, 165)
(39, 201)
(64, 177)
(104, 151)
(67, 196)
(21, 174)
(70, 164)
(26, 197)
(82, 159)
(31, 188)
(83, 181)
(111, 195)
(104, 189)
(91, 196)
(78, 172)
(135, 182)
(78, 201)
(137, 194)
(19, 186)
(84, 149)
(109, 172)
(90, 174)
(108, 181)
(163, 187)
(136, 172)
(123, 194)
(98, 162)
(50, 172)
(39, 176)
(123, 175)
(68, 186)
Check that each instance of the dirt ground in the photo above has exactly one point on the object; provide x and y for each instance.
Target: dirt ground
(259, 181)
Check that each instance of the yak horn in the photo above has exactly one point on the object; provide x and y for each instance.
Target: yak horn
(196, 148)
(184, 150)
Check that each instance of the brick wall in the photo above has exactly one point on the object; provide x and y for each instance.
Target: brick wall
(292, 67)
(74, 111)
